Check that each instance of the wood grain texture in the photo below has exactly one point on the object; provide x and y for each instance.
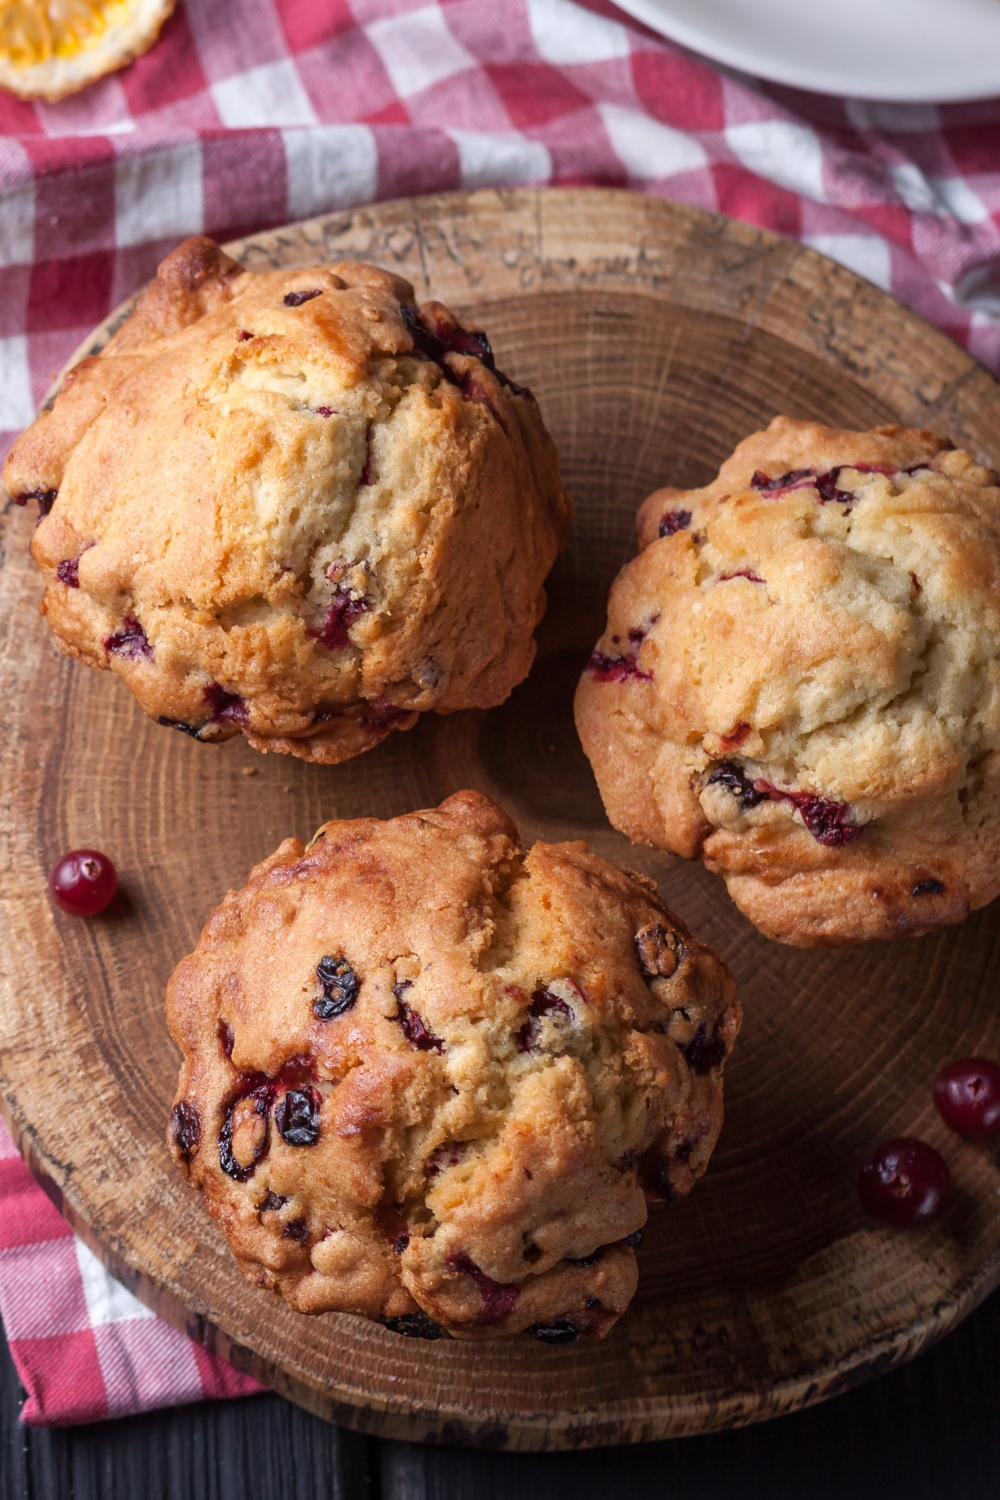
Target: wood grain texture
(929, 1430)
(655, 337)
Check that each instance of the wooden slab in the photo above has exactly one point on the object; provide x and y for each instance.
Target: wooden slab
(655, 337)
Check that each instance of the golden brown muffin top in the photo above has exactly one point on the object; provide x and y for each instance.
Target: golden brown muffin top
(490, 1058)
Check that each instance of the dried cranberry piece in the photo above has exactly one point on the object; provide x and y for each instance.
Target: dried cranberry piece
(46, 499)
(747, 573)
(634, 1239)
(130, 641)
(615, 668)
(904, 1182)
(435, 333)
(194, 730)
(414, 1326)
(342, 613)
(673, 521)
(295, 1229)
(225, 707)
(638, 633)
(929, 887)
(297, 1117)
(801, 479)
(542, 1002)
(967, 1096)
(413, 1026)
(227, 1161)
(341, 987)
(400, 1243)
(734, 738)
(445, 336)
(474, 390)
(458, 340)
(794, 479)
(830, 823)
(262, 1090)
(385, 713)
(498, 1298)
(185, 1129)
(292, 1074)
(296, 299)
(324, 411)
(733, 778)
(272, 1203)
(704, 1052)
(392, 1222)
(68, 572)
(243, 335)
(226, 1037)
(826, 484)
(554, 1333)
(424, 340)
(888, 468)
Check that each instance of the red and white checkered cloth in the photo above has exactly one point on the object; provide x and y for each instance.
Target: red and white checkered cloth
(250, 113)
(83, 1346)
(253, 112)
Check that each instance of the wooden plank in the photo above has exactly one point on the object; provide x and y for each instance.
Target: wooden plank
(928, 1431)
(655, 336)
(257, 1448)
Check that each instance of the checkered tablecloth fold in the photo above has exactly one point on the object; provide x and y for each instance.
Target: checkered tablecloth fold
(84, 1347)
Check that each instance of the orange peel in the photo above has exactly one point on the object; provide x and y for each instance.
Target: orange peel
(51, 48)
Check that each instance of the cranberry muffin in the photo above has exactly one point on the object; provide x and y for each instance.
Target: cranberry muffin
(293, 505)
(800, 682)
(434, 1080)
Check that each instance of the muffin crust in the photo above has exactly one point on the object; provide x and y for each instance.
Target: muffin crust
(433, 1080)
(294, 506)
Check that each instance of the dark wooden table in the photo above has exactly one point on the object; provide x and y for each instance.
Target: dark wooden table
(930, 1431)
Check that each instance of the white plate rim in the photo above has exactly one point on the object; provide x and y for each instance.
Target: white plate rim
(665, 17)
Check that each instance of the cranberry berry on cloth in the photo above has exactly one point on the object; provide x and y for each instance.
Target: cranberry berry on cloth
(447, 1115)
(800, 682)
(295, 506)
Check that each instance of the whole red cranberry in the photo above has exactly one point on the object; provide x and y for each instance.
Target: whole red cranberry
(83, 882)
(967, 1096)
(904, 1182)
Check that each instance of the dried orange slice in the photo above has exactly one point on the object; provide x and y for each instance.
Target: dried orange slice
(50, 48)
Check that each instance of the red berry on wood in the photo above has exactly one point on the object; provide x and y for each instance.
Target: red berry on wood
(967, 1096)
(904, 1182)
(83, 882)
